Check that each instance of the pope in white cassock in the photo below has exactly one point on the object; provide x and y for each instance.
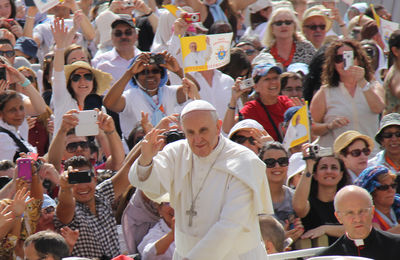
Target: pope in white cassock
(197, 58)
(217, 188)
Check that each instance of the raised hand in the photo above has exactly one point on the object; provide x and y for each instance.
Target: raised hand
(60, 32)
(151, 144)
(190, 89)
(145, 122)
(70, 236)
(19, 202)
(6, 216)
(70, 120)
(171, 63)
(105, 122)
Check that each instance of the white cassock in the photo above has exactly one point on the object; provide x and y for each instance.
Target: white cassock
(234, 193)
(198, 58)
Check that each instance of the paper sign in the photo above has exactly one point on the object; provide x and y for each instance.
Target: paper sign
(205, 52)
(44, 5)
(298, 131)
(386, 29)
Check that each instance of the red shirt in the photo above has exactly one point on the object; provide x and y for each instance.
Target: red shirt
(253, 110)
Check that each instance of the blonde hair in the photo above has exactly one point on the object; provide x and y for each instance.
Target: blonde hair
(269, 39)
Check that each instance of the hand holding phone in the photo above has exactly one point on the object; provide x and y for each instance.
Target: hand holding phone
(348, 59)
(24, 169)
(87, 125)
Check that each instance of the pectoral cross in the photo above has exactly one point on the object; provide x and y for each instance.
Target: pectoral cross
(191, 213)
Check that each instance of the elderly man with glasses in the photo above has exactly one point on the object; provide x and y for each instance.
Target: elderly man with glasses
(316, 23)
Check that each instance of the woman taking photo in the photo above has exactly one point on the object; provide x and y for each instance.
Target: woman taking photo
(349, 98)
(283, 41)
(314, 195)
(381, 184)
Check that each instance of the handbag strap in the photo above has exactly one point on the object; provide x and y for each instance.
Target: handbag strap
(21, 147)
(278, 134)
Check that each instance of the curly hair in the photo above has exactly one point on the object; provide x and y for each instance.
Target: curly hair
(329, 74)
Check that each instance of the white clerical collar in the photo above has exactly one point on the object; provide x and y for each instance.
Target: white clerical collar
(357, 242)
(213, 155)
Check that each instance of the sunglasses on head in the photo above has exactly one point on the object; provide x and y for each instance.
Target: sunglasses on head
(390, 135)
(314, 27)
(286, 22)
(357, 152)
(271, 162)
(8, 54)
(152, 71)
(386, 186)
(86, 76)
(240, 139)
(119, 33)
(72, 147)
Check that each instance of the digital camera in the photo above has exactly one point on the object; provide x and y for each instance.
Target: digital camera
(317, 151)
(173, 135)
(246, 83)
(156, 59)
(192, 17)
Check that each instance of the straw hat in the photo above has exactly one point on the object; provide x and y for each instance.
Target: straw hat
(103, 79)
(318, 10)
(346, 138)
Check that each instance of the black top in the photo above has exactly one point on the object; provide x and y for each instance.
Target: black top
(321, 213)
(379, 245)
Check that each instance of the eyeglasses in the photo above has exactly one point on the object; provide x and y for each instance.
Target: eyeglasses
(152, 71)
(390, 135)
(271, 162)
(8, 54)
(338, 58)
(119, 33)
(291, 89)
(384, 187)
(48, 210)
(286, 22)
(71, 147)
(86, 76)
(357, 152)
(249, 52)
(240, 139)
(314, 27)
(351, 214)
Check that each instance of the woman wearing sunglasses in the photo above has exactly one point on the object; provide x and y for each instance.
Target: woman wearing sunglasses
(314, 195)
(353, 148)
(72, 83)
(283, 41)
(381, 184)
(276, 159)
(349, 98)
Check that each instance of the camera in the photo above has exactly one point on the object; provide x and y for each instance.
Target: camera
(10, 21)
(128, 3)
(317, 151)
(80, 177)
(173, 135)
(156, 59)
(246, 83)
(191, 17)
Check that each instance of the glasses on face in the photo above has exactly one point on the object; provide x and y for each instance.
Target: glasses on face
(291, 89)
(314, 27)
(390, 135)
(286, 22)
(72, 147)
(338, 58)
(31, 78)
(352, 214)
(249, 52)
(240, 139)
(8, 54)
(357, 152)
(119, 33)
(48, 210)
(271, 162)
(86, 76)
(384, 187)
(152, 71)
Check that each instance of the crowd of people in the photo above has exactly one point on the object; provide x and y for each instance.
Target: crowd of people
(108, 150)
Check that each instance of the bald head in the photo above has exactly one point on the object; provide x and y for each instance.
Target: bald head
(349, 192)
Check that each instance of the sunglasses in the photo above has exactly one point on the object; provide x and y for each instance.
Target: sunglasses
(387, 186)
(240, 139)
(71, 147)
(390, 135)
(31, 79)
(271, 162)
(8, 54)
(48, 210)
(152, 71)
(357, 152)
(338, 58)
(77, 77)
(119, 33)
(286, 22)
(314, 27)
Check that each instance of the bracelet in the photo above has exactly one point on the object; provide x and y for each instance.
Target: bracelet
(233, 108)
(147, 15)
(366, 87)
(26, 83)
(110, 132)
(30, 17)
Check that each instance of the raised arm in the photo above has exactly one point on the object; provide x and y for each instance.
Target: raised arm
(229, 119)
(87, 28)
(198, 6)
(65, 209)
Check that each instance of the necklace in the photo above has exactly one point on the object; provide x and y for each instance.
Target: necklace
(192, 212)
(274, 52)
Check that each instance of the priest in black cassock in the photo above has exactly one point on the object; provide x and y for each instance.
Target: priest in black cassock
(354, 209)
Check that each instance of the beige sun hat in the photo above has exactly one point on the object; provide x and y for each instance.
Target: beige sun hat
(103, 79)
(317, 10)
(346, 138)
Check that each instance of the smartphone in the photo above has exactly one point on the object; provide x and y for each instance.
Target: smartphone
(348, 59)
(80, 177)
(29, 3)
(3, 73)
(87, 125)
(24, 169)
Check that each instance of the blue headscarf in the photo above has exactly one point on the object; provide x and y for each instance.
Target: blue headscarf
(217, 12)
(368, 179)
(157, 113)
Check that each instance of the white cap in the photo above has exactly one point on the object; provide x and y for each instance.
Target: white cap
(197, 105)
(296, 165)
(259, 5)
(163, 198)
(262, 58)
(245, 124)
